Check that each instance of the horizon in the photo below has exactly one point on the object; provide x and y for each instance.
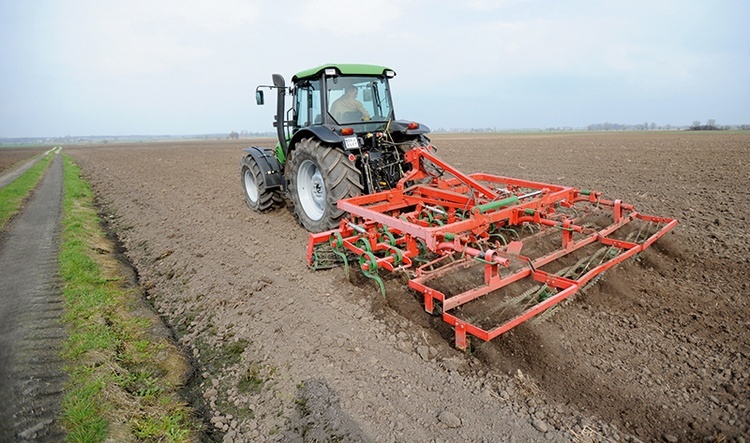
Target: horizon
(243, 134)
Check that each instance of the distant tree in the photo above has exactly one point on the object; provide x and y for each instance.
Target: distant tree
(234, 135)
(709, 126)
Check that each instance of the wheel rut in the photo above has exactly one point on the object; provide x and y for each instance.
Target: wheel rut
(31, 332)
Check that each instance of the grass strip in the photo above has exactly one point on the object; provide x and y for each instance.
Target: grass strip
(122, 385)
(13, 195)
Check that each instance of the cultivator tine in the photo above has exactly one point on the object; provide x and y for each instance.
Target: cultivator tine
(369, 265)
(492, 252)
(336, 243)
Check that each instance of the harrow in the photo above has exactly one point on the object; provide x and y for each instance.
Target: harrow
(486, 252)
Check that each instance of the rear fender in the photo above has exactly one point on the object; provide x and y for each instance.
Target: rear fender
(320, 132)
(403, 127)
(269, 166)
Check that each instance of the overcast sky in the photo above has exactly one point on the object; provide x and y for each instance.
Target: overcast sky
(74, 67)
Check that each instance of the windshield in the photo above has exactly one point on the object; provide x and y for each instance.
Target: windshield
(353, 99)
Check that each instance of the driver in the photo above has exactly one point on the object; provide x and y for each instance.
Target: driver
(348, 103)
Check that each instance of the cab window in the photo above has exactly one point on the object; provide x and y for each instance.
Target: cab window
(307, 104)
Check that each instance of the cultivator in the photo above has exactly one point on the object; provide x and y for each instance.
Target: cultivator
(486, 252)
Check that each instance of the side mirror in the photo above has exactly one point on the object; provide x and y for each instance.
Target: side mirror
(259, 97)
(367, 95)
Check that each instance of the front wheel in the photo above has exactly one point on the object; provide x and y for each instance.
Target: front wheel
(257, 196)
(319, 176)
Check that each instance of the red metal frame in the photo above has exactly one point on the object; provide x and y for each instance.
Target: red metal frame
(452, 217)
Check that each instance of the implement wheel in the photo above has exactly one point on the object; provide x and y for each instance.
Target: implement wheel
(319, 176)
(258, 198)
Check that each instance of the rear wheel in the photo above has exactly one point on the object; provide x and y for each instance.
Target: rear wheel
(319, 176)
(257, 196)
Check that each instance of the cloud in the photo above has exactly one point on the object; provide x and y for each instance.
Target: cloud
(197, 62)
(343, 18)
(140, 37)
(494, 5)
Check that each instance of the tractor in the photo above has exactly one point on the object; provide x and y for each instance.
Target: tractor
(339, 139)
(485, 252)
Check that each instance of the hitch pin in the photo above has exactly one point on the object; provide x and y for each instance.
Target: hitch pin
(357, 228)
(434, 209)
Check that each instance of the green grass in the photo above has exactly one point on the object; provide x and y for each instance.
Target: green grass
(84, 420)
(13, 195)
(114, 377)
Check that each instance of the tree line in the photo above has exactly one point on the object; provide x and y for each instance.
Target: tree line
(710, 125)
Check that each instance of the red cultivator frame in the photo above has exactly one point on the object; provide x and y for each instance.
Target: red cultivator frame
(488, 252)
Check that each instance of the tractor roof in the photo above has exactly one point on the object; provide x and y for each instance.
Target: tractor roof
(344, 69)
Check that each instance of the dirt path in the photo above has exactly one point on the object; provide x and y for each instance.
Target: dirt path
(657, 350)
(9, 157)
(31, 333)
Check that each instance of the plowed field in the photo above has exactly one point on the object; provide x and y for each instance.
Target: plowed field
(657, 349)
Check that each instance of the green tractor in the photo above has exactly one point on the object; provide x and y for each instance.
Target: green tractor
(338, 139)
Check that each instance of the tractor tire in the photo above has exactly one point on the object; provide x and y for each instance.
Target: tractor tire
(319, 176)
(257, 196)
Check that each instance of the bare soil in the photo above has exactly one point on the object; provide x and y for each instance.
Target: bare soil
(656, 350)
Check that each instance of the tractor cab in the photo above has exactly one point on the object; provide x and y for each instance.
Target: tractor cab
(337, 139)
(337, 104)
(363, 102)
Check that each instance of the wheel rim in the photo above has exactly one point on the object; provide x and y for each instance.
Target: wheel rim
(251, 188)
(311, 190)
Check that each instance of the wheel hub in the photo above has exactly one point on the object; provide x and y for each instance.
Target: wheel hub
(311, 189)
(250, 186)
